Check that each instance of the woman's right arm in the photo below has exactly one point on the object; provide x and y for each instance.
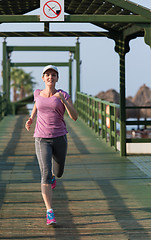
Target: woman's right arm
(31, 118)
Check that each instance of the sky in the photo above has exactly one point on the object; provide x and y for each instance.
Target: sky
(99, 62)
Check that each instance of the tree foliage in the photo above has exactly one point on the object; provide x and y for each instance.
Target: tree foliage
(22, 83)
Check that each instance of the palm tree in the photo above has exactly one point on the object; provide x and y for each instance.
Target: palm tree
(28, 88)
(22, 83)
(26, 84)
(15, 73)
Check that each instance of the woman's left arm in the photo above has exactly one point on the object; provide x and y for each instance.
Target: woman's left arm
(70, 109)
(68, 105)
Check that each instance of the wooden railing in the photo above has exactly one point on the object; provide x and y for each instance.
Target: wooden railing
(146, 123)
(101, 116)
(21, 103)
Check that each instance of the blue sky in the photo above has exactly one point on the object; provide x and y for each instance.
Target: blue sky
(100, 63)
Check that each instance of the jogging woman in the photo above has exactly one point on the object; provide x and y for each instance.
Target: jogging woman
(50, 133)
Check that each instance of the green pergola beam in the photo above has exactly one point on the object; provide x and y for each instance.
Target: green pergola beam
(40, 64)
(107, 18)
(56, 34)
(19, 18)
(41, 48)
(80, 18)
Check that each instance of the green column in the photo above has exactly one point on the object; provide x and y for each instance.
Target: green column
(46, 27)
(70, 75)
(122, 48)
(4, 66)
(122, 106)
(77, 57)
(8, 78)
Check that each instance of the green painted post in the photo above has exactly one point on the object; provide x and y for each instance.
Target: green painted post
(115, 138)
(102, 121)
(9, 108)
(111, 126)
(1, 107)
(90, 111)
(122, 47)
(8, 79)
(122, 51)
(96, 117)
(46, 27)
(105, 122)
(70, 75)
(77, 57)
(4, 66)
(86, 108)
(122, 105)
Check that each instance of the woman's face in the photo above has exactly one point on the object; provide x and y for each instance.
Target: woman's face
(50, 77)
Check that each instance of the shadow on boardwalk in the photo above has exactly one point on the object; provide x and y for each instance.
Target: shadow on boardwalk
(101, 195)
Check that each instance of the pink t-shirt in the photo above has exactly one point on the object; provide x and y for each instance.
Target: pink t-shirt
(50, 116)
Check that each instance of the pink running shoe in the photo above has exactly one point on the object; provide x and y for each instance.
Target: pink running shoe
(50, 218)
(53, 182)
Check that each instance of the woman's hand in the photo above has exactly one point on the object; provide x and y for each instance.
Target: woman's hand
(32, 116)
(28, 123)
(60, 96)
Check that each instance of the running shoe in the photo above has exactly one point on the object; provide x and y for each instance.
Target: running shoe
(50, 218)
(53, 182)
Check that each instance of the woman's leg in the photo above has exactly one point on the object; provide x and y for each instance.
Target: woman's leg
(59, 152)
(47, 195)
(44, 155)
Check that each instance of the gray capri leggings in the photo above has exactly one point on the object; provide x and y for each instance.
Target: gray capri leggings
(48, 149)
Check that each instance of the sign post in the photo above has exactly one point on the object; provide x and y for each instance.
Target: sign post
(51, 10)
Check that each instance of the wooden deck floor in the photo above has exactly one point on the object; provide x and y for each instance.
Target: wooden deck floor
(101, 195)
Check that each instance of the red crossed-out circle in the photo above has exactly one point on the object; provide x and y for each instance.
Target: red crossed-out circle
(47, 6)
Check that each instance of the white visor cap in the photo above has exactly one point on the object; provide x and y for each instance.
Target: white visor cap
(50, 67)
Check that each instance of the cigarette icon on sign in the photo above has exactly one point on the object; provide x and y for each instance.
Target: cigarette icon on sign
(52, 9)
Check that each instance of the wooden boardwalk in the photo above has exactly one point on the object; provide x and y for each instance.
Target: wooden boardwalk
(101, 195)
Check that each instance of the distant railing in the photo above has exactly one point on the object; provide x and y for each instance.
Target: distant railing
(101, 116)
(3, 105)
(146, 123)
(22, 103)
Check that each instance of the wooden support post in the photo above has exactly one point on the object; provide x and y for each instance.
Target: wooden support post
(77, 57)
(46, 27)
(70, 75)
(4, 71)
(8, 79)
(122, 105)
(122, 47)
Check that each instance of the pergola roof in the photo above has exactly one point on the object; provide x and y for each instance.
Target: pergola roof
(115, 16)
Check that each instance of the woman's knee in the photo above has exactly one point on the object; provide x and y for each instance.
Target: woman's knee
(46, 177)
(59, 173)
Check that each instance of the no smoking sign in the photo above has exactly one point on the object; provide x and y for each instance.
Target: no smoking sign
(51, 10)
